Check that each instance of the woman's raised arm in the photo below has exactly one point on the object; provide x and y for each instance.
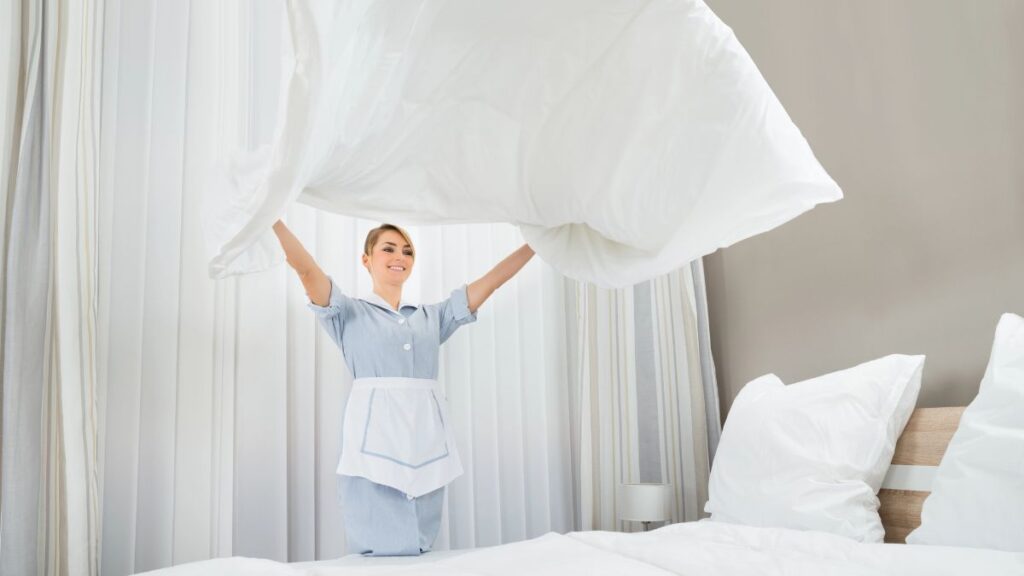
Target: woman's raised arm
(316, 283)
(478, 292)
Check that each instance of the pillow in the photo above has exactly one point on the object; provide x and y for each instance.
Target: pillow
(977, 498)
(812, 455)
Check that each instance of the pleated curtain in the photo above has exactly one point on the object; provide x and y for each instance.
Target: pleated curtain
(231, 448)
(644, 395)
(51, 183)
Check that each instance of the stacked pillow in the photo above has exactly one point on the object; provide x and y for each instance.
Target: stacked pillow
(977, 497)
(812, 455)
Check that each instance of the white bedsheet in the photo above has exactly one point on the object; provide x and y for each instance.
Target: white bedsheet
(694, 548)
(625, 137)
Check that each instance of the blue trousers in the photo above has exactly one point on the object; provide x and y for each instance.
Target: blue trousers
(381, 521)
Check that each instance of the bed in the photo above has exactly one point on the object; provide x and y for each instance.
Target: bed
(703, 547)
(918, 453)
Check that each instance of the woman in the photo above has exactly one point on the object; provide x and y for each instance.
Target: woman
(398, 452)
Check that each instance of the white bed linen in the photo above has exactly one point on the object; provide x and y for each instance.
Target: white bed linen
(625, 137)
(694, 548)
(360, 561)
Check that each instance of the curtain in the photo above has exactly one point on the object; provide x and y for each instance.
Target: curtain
(50, 441)
(23, 285)
(644, 395)
(224, 398)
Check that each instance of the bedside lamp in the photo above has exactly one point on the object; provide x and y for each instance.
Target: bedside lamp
(645, 503)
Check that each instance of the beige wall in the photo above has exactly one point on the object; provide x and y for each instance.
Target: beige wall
(916, 108)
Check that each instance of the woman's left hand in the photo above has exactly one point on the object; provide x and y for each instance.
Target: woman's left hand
(478, 292)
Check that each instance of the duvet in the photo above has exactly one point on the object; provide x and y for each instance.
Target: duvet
(624, 137)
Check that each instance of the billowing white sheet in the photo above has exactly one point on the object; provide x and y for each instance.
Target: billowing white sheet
(625, 137)
(690, 549)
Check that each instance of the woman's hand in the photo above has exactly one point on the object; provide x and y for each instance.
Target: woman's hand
(478, 292)
(316, 283)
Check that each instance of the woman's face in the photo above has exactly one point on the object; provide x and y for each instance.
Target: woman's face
(390, 260)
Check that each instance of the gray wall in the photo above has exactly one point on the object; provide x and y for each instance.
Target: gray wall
(916, 108)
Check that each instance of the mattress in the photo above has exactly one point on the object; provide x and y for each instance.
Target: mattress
(704, 548)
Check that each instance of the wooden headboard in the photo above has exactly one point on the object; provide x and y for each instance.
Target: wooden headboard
(922, 444)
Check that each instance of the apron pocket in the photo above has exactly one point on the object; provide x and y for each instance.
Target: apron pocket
(405, 426)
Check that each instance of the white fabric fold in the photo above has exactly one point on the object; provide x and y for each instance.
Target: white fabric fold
(625, 137)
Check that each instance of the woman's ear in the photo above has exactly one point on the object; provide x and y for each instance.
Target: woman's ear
(366, 262)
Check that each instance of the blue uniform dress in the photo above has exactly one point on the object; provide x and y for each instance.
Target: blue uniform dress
(377, 341)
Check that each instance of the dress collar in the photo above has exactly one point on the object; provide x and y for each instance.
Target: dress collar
(376, 300)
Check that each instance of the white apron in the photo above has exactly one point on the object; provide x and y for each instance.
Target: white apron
(396, 433)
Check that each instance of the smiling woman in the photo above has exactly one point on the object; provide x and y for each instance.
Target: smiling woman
(398, 452)
(388, 256)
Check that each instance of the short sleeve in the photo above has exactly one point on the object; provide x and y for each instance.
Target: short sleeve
(455, 312)
(333, 316)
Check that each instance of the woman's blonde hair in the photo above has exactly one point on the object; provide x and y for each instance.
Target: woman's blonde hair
(373, 235)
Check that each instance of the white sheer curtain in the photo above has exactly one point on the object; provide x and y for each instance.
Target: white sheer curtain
(23, 284)
(644, 395)
(224, 399)
(50, 498)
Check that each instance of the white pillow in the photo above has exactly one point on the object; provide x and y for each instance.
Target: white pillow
(977, 498)
(812, 455)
